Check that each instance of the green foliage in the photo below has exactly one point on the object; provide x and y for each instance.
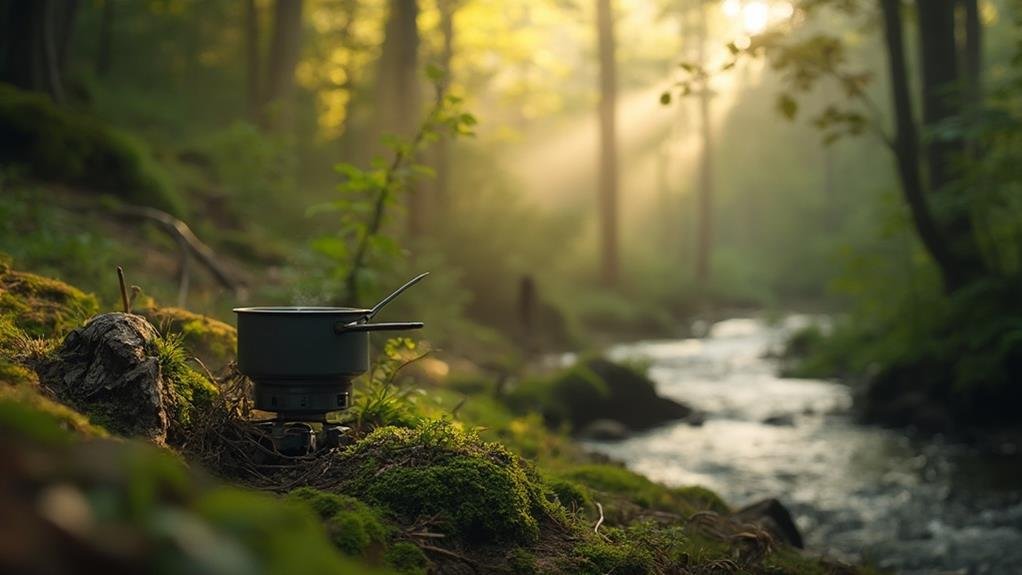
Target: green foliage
(572, 495)
(480, 490)
(368, 196)
(381, 398)
(61, 145)
(352, 526)
(406, 558)
(521, 561)
(213, 342)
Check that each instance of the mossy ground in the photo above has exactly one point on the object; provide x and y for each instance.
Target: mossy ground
(435, 495)
(212, 341)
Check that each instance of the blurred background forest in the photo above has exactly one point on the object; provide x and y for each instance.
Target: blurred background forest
(573, 173)
(766, 194)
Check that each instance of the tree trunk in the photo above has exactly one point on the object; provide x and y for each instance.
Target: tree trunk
(942, 100)
(31, 46)
(398, 92)
(441, 192)
(906, 149)
(284, 50)
(253, 63)
(973, 53)
(608, 143)
(704, 237)
(106, 39)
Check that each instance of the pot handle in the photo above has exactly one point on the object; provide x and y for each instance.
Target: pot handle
(342, 327)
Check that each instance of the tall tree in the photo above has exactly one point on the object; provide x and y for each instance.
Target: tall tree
(398, 95)
(943, 100)
(608, 173)
(106, 39)
(284, 50)
(253, 62)
(704, 235)
(33, 44)
(441, 154)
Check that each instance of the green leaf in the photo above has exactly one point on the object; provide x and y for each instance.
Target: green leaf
(434, 72)
(665, 98)
(787, 106)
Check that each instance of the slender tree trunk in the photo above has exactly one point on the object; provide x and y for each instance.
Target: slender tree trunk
(32, 42)
(399, 99)
(704, 237)
(441, 199)
(906, 148)
(973, 53)
(942, 100)
(253, 63)
(608, 143)
(284, 50)
(106, 39)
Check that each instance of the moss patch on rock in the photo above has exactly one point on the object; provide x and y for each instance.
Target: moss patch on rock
(58, 144)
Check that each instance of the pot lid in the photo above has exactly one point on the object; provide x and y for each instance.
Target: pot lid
(302, 310)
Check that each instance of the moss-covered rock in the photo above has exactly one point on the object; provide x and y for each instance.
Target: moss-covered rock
(41, 307)
(214, 342)
(58, 144)
(480, 491)
(594, 390)
(406, 558)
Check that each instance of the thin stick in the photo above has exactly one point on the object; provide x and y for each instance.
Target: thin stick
(599, 522)
(124, 290)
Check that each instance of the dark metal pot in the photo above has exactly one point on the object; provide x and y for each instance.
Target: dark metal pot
(306, 342)
(302, 359)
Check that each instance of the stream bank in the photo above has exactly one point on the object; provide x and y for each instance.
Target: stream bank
(857, 492)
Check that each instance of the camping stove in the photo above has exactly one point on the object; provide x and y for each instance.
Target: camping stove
(302, 361)
(301, 425)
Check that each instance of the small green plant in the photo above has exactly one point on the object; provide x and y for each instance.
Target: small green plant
(381, 400)
(369, 196)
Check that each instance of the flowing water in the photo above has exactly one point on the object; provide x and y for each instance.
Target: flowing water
(857, 492)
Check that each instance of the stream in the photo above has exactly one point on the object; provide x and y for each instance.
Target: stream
(858, 493)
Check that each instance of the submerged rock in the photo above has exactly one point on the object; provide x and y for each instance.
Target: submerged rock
(108, 369)
(772, 515)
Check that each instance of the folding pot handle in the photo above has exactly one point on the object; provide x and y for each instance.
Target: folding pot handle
(341, 327)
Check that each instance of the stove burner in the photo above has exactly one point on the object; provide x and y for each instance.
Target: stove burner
(302, 400)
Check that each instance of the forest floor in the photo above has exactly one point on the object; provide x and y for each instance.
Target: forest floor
(458, 481)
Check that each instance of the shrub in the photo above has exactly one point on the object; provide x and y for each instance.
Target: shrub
(61, 145)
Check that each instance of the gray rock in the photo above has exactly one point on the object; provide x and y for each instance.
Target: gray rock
(108, 370)
(772, 515)
(604, 430)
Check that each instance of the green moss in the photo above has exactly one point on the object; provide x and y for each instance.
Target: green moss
(638, 489)
(624, 558)
(56, 414)
(353, 526)
(42, 307)
(522, 562)
(571, 495)
(58, 144)
(406, 558)
(482, 491)
(189, 389)
(214, 342)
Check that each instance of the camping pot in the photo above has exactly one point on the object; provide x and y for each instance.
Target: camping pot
(302, 359)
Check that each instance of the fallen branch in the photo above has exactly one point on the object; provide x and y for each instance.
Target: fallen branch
(188, 243)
